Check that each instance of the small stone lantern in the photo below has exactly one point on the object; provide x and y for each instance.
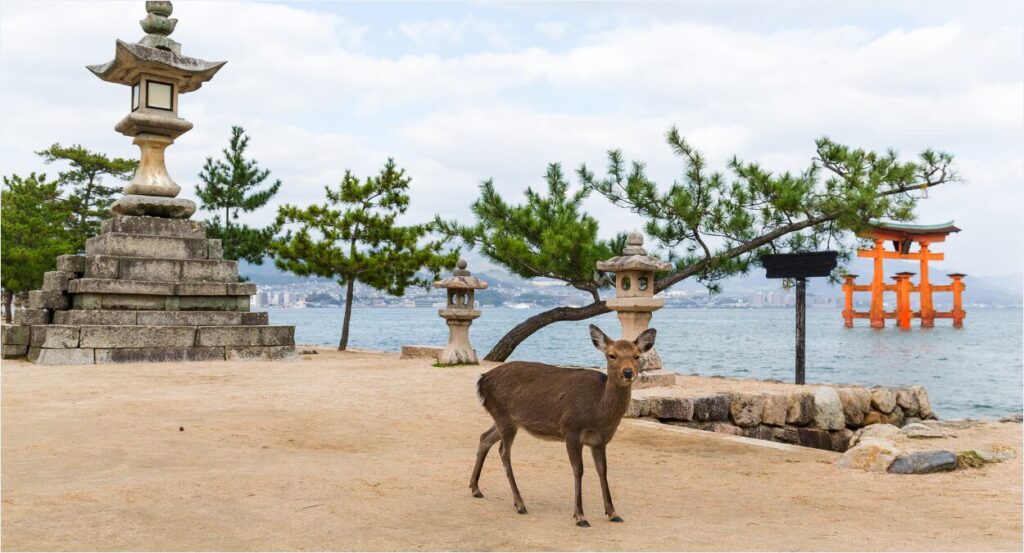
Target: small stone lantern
(459, 313)
(634, 299)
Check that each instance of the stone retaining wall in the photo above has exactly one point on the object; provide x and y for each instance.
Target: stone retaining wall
(820, 416)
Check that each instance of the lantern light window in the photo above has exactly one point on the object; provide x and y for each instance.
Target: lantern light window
(160, 95)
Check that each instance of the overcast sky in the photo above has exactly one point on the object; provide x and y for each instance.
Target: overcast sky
(459, 93)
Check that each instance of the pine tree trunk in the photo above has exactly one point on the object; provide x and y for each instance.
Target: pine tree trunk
(8, 299)
(348, 314)
(508, 343)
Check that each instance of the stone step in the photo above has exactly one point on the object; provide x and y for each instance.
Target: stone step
(89, 356)
(158, 336)
(145, 245)
(159, 269)
(159, 288)
(168, 318)
(153, 226)
(135, 302)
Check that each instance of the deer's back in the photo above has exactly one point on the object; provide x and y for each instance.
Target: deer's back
(543, 399)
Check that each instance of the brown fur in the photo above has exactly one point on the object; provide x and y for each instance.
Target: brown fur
(576, 406)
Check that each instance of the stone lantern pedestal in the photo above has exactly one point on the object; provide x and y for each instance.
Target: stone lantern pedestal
(459, 314)
(634, 300)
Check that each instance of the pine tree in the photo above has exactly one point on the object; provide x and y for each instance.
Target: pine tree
(230, 187)
(32, 219)
(710, 226)
(89, 199)
(353, 237)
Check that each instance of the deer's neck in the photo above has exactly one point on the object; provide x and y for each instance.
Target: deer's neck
(615, 401)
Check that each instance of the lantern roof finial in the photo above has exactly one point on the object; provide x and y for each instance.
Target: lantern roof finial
(634, 258)
(158, 25)
(461, 279)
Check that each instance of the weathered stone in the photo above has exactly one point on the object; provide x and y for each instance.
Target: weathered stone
(420, 352)
(155, 206)
(923, 431)
(775, 406)
(16, 335)
(137, 336)
(57, 280)
(190, 318)
(911, 420)
(101, 266)
(896, 417)
(870, 454)
(257, 318)
(94, 317)
(71, 263)
(210, 303)
(883, 399)
(800, 410)
(841, 439)
(856, 403)
(13, 351)
(720, 427)
(47, 299)
(759, 432)
(29, 317)
(118, 301)
(215, 249)
(814, 437)
(746, 409)
(209, 270)
(872, 418)
(201, 289)
(158, 354)
(828, 410)
(713, 407)
(133, 245)
(880, 431)
(995, 455)
(277, 335)
(637, 407)
(786, 434)
(115, 286)
(241, 289)
(156, 226)
(923, 462)
(924, 407)
(245, 336)
(71, 356)
(261, 353)
(150, 269)
(907, 400)
(672, 408)
(54, 336)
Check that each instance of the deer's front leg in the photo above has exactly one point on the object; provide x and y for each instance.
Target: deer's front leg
(575, 448)
(601, 463)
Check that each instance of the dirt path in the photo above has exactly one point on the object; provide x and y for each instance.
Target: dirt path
(368, 452)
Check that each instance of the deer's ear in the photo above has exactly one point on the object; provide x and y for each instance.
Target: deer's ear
(599, 338)
(645, 341)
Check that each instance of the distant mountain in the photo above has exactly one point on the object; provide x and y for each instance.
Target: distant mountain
(268, 273)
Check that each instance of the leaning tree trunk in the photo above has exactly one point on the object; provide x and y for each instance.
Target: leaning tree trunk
(8, 298)
(508, 343)
(348, 315)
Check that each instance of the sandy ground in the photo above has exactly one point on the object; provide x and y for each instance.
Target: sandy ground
(368, 452)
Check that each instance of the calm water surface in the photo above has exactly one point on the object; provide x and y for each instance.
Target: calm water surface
(975, 371)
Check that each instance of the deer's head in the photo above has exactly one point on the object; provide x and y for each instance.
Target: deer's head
(623, 356)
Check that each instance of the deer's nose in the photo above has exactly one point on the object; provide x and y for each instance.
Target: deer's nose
(628, 373)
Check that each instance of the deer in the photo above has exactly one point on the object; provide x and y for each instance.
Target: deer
(576, 406)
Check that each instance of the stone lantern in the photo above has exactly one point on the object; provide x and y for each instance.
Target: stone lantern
(157, 74)
(459, 314)
(634, 299)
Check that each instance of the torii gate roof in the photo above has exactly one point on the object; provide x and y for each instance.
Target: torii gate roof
(893, 230)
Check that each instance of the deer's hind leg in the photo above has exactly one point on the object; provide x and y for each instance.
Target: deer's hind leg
(508, 435)
(487, 439)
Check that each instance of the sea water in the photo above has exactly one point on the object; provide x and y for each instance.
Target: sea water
(974, 371)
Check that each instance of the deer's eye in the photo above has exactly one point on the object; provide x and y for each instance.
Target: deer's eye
(636, 357)
(611, 356)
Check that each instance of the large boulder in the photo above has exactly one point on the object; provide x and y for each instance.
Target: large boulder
(878, 431)
(883, 399)
(870, 454)
(856, 403)
(800, 410)
(923, 431)
(895, 417)
(672, 408)
(746, 409)
(828, 409)
(712, 407)
(924, 406)
(775, 407)
(907, 400)
(923, 462)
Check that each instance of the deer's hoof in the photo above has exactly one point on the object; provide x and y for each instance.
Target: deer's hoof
(477, 494)
(521, 510)
(616, 518)
(583, 524)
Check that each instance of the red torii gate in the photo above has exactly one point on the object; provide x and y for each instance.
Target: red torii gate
(902, 236)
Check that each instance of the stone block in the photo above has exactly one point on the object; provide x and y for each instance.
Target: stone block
(277, 335)
(94, 317)
(856, 403)
(870, 454)
(29, 317)
(408, 352)
(55, 336)
(137, 336)
(261, 353)
(759, 432)
(881, 431)
(786, 434)
(746, 409)
(150, 269)
(775, 406)
(883, 399)
(800, 411)
(654, 378)
(156, 206)
(841, 439)
(262, 318)
(228, 336)
(47, 299)
(133, 245)
(713, 407)
(71, 263)
(672, 408)
(895, 418)
(924, 462)
(924, 406)
(190, 318)
(158, 354)
(215, 249)
(156, 226)
(13, 351)
(209, 270)
(906, 399)
(119, 301)
(17, 335)
(241, 289)
(721, 428)
(638, 408)
(124, 287)
(57, 280)
(209, 303)
(201, 289)
(828, 409)
(74, 356)
(101, 266)
(814, 437)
